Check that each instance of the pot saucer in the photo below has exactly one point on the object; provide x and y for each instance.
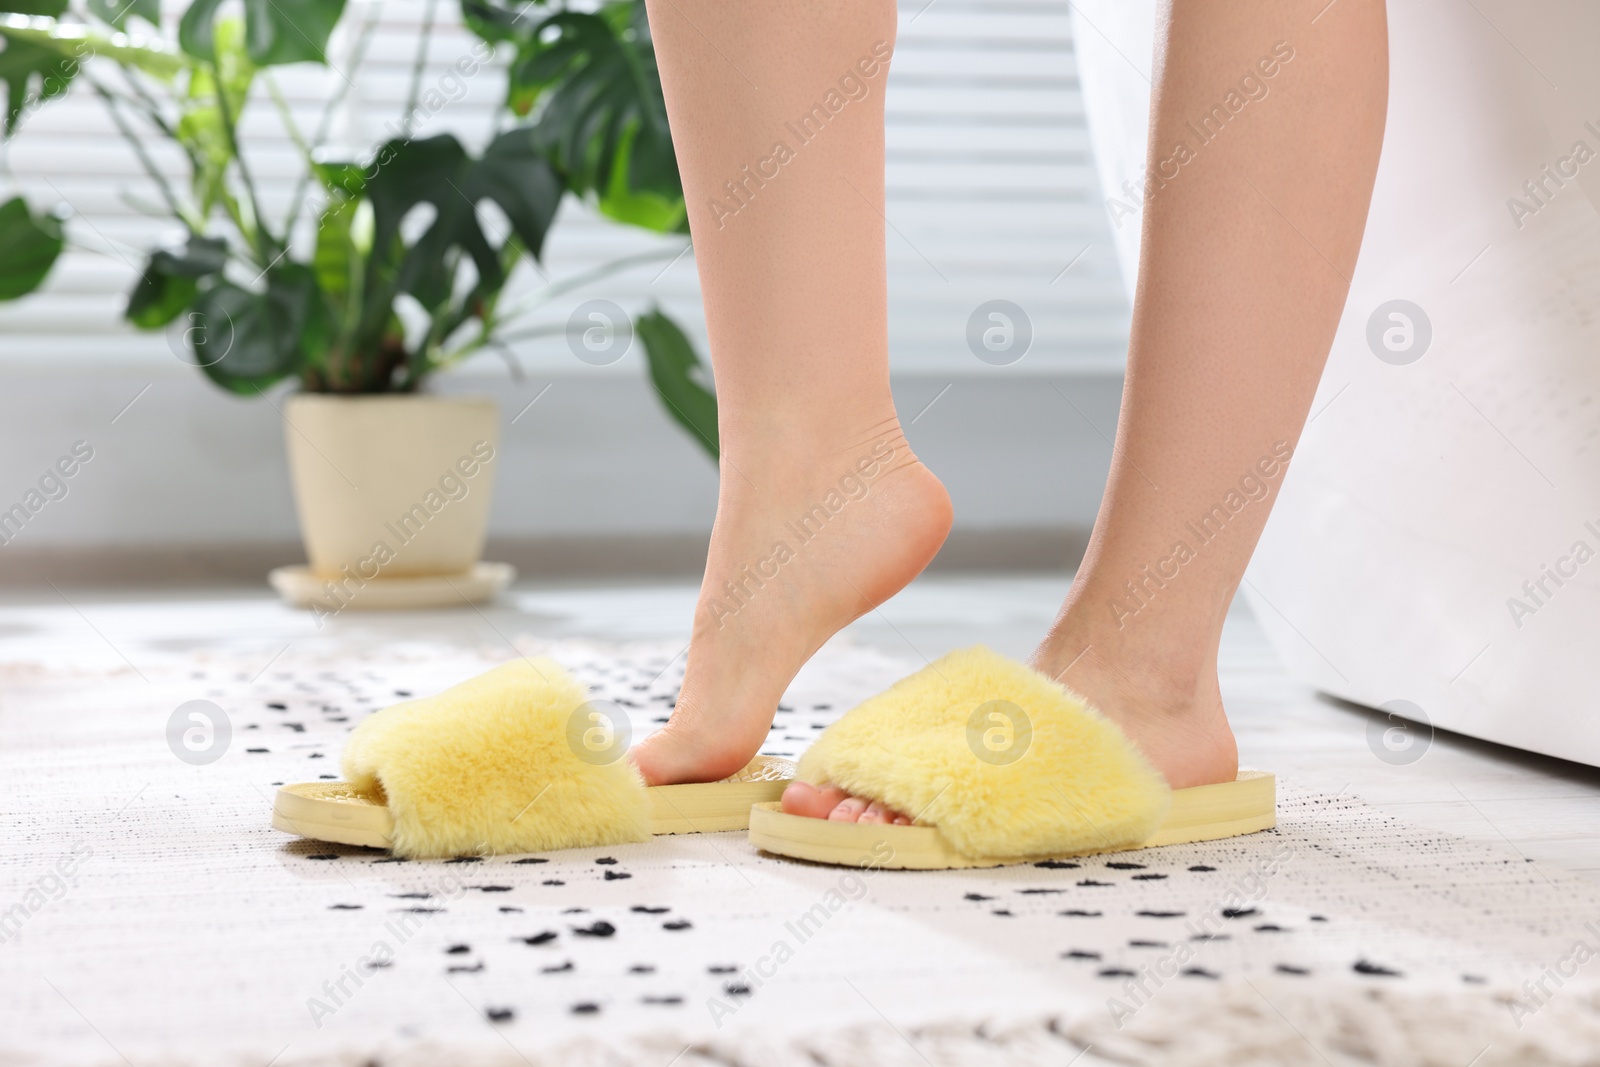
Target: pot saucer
(304, 588)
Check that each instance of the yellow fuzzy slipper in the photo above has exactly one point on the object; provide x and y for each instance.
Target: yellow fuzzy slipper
(998, 764)
(514, 760)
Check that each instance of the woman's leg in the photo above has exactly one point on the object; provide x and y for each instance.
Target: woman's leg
(777, 116)
(1244, 269)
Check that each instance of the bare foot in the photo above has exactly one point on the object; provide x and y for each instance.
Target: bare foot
(808, 537)
(1180, 728)
(831, 802)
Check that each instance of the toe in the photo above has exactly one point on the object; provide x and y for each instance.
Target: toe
(813, 802)
(848, 810)
(876, 813)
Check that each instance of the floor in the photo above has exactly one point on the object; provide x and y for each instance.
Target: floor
(1543, 808)
(1342, 931)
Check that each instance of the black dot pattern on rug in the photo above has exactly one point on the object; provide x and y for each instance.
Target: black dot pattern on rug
(1376, 970)
(531, 938)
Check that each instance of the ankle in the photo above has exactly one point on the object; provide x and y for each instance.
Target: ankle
(1175, 717)
(785, 441)
(1156, 677)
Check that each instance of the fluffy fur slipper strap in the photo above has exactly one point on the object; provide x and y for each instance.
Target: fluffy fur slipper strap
(487, 767)
(1002, 759)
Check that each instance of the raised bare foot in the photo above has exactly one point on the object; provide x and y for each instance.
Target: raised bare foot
(1180, 727)
(809, 536)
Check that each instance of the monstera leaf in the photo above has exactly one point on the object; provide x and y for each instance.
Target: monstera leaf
(31, 72)
(276, 31)
(344, 230)
(202, 126)
(116, 12)
(46, 8)
(171, 279)
(496, 21)
(71, 43)
(31, 243)
(39, 56)
(246, 341)
(438, 171)
(600, 114)
(678, 374)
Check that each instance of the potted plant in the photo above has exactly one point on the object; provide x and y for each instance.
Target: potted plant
(349, 300)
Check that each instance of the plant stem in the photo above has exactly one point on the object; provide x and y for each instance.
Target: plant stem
(325, 122)
(604, 270)
(420, 65)
(187, 218)
(152, 107)
(489, 335)
(261, 236)
(285, 115)
(554, 329)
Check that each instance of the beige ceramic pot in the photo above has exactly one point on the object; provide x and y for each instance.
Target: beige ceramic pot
(392, 487)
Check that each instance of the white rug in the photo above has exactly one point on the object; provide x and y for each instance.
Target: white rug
(186, 931)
